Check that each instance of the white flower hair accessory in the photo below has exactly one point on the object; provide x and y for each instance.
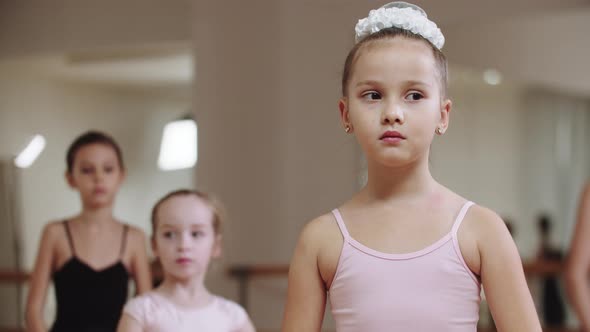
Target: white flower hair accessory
(401, 15)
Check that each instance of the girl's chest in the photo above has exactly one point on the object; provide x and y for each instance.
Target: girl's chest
(400, 231)
(166, 321)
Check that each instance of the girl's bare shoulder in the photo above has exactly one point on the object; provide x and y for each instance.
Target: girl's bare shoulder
(136, 237)
(481, 232)
(319, 230)
(479, 220)
(482, 222)
(135, 232)
(54, 230)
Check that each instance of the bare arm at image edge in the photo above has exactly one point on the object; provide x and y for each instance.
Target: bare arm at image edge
(578, 263)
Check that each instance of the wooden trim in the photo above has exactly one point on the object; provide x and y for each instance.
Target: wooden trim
(13, 276)
(258, 270)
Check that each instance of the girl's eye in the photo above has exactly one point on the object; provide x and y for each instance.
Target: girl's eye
(414, 96)
(168, 235)
(197, 233)
(108, 169)
(371, 95)
(86, 170)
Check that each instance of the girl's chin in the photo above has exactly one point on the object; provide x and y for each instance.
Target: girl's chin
(97, 204)
(184, 276)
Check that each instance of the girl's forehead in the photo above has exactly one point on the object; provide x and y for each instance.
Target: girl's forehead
(185, 210)
(184, 223)
(397, 56)
(96, 151)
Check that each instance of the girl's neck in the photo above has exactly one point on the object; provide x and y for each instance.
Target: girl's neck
(98, 216)
(404, 182)
(187, 292)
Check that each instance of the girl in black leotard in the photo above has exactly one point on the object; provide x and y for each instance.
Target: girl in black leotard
(91, 256)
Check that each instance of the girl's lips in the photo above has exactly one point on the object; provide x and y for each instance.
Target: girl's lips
(391, 140)
(99, 191)
(183, 260)
(392, 134)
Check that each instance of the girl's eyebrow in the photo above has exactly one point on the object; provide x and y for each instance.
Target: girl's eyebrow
(413, 82)
(193, 225)
(368, 82)
(409, 82)
(164, 225)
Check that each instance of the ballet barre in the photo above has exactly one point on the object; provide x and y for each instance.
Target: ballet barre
(13, 276)
(540, 268)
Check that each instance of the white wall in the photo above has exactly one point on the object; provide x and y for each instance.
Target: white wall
(518, 150)
(480, 155)
(68, 25)
(31, 104)
(544, 48)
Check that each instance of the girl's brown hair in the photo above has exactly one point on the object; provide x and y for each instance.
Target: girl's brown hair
(88, 138)
(214, 204)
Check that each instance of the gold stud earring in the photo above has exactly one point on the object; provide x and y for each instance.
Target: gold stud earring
(347, 128)
(439, 130)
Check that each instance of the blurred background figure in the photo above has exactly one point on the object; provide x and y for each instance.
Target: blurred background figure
(90, 257)
(546, 250)
(552, 304)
